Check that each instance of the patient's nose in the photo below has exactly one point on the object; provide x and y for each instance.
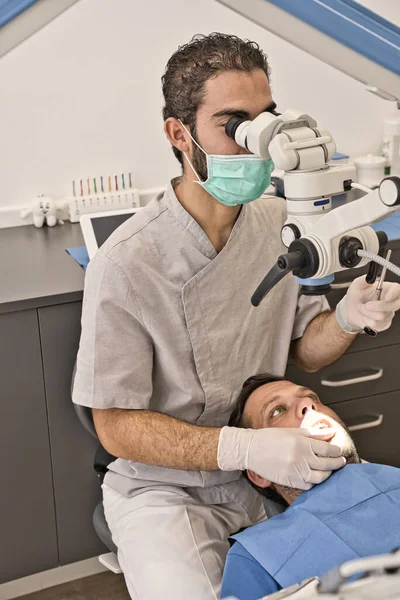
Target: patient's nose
(305, 405)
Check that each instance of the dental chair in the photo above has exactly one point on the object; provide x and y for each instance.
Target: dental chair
(110, 561)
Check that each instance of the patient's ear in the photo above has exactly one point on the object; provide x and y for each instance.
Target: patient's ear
(258, 480)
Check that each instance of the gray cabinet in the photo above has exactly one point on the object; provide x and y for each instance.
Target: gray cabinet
(356, 375)
(28, 540)
(76, 486)
(377, 421)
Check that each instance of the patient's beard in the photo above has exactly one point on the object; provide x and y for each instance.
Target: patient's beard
(348, 447)
(288, 493)
(341, 438)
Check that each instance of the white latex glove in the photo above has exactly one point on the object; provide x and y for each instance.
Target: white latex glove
(292, 457)
(359, 309)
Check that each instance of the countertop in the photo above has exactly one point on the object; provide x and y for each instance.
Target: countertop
(35, 269)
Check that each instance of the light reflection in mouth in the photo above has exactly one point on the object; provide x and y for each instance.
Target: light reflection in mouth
(317, 421)
(321, 424)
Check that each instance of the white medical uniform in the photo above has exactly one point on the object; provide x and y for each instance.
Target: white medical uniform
(168, 326)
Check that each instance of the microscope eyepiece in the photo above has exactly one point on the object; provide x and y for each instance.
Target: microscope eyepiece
(232, 125)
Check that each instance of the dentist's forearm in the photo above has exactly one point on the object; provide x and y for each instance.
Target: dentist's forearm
(322, 343)
(155, 439)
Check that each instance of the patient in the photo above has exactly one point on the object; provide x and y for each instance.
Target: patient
(353, 514)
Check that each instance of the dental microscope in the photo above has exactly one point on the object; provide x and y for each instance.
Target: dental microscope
(320, 240)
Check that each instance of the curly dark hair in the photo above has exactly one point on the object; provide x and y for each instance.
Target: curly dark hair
(250, 385)
(236, 420)
(193, 64)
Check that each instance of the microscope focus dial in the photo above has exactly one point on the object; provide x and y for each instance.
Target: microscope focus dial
(289, 233)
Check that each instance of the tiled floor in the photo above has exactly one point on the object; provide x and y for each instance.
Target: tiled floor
(104, 586)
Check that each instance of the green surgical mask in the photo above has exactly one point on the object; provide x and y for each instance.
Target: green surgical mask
(234, 179)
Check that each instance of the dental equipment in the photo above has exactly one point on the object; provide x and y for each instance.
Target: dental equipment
(320, 241)
(378, 293)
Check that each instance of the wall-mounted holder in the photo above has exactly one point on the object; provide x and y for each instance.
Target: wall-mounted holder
(101, 202)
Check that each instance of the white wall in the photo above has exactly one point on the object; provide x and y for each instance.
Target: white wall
(82, 97)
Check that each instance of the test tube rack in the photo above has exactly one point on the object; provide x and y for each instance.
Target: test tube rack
(101, 202)
(101, 194)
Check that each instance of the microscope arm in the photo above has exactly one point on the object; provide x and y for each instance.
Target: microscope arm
(317, 253)
(364, 211)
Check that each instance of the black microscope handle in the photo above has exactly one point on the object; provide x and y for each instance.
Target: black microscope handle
(270, 280)
(285, 264)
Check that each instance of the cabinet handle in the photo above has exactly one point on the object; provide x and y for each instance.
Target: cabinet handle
(367, 424)
(377, 375)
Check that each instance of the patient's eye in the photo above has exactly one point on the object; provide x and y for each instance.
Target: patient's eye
(275, 412)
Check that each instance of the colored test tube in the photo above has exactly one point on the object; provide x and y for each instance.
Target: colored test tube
(123, 181)
(101, 183)
(73, 188)
(94, 185)
(81, 188)
(116, 183)
(88, 185)
(130, 180)
(109, 183)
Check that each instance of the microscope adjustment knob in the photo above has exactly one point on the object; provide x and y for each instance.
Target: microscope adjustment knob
(311, 261)
(389, 191)
(289, 233)
(348, 249)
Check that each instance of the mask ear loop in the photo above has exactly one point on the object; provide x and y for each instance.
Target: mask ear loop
(186, 156)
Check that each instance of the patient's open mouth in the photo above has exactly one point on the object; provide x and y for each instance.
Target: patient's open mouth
(322, 424)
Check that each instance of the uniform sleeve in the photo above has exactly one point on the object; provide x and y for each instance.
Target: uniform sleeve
(308, 307)
(244, 578)
(115, 358)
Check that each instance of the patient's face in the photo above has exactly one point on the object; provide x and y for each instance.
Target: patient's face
(285, 404)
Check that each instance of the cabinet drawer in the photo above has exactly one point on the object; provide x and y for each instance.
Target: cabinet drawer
(378, 439)
(355, 375)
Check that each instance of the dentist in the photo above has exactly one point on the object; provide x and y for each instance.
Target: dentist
(169, 335)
